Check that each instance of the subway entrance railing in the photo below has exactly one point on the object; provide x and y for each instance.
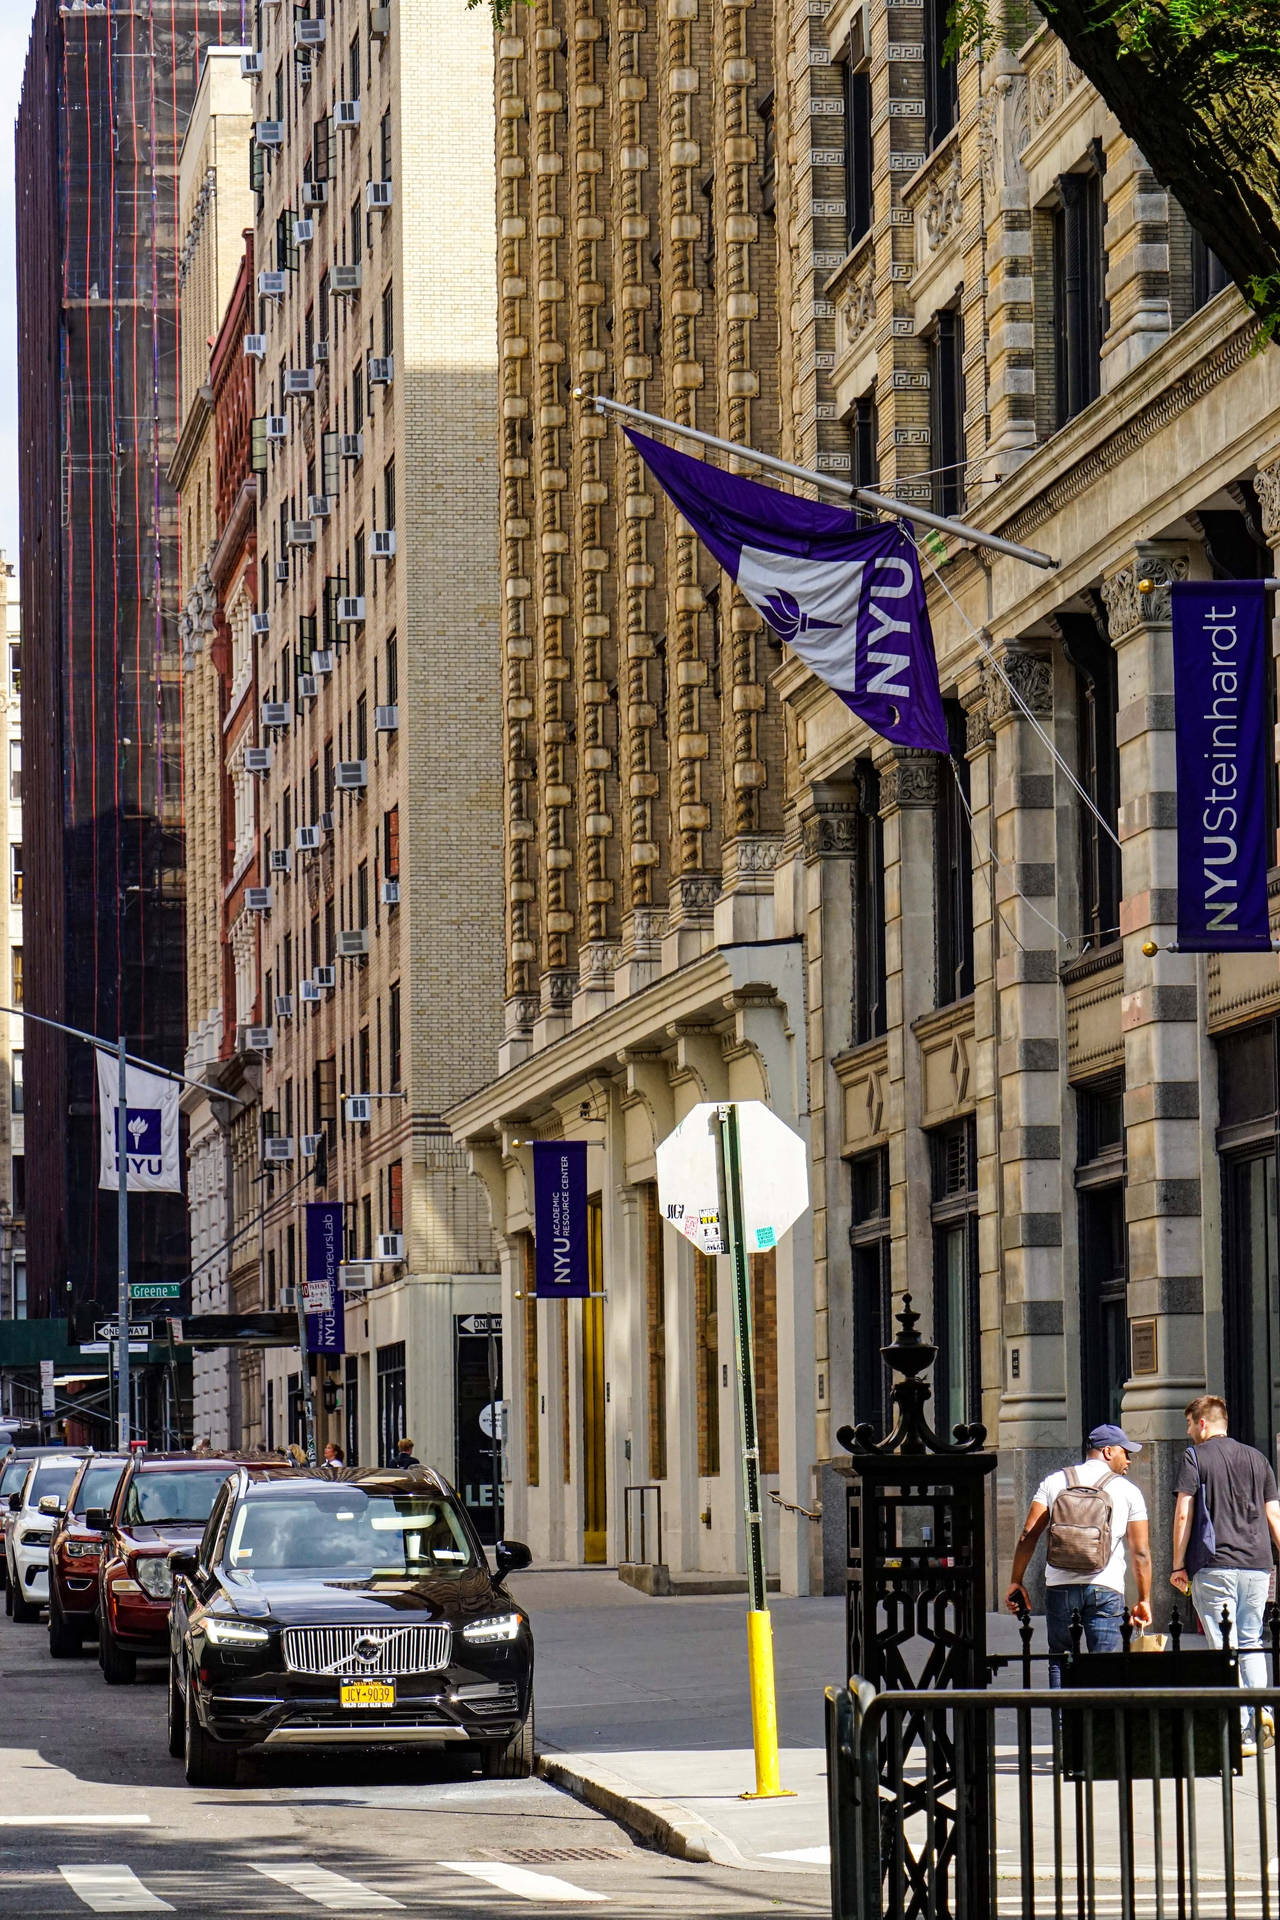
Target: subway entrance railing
(1085, 1803)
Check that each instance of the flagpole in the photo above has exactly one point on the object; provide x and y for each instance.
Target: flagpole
(124, 1410)
(882, 502)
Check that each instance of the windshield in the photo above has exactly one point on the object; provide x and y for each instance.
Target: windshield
(175, 1497)
(12, 1478)
(53, 1476)
(98, 1488)
(347, 1531)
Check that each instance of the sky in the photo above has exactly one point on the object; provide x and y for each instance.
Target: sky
(15, 28)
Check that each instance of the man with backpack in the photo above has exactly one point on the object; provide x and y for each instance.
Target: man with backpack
(1091, 1513)
(1226, 1524)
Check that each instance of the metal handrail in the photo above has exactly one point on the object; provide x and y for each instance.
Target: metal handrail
(641, 1488)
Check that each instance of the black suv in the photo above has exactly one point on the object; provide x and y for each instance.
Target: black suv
(328, 1607)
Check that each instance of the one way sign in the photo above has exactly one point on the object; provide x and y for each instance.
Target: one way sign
(481, 1323)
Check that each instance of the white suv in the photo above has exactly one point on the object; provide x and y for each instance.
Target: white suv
(31, 1528)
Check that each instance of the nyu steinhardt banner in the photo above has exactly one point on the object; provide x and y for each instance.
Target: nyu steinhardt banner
(1223, 752)
(321, 1297)
(560, 1219)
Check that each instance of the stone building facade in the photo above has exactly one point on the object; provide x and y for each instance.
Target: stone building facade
(378, 693)
(801, 227)
(13, 1182)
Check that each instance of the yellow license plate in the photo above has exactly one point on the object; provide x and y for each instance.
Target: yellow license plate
(367, 1693)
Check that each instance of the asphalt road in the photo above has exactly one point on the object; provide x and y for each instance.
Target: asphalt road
(95, 1817)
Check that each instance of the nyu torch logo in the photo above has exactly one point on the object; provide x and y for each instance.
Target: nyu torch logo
(146, 1142)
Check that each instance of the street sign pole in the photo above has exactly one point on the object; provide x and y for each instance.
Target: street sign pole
(304, 1380)
(495, 1438)
(733, 1237)
(124, 1408)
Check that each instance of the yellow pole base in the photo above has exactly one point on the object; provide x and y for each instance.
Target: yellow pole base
(764, 1709)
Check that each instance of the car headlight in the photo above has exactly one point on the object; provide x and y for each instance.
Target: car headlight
(154, 1577)
(34, 1539)
(498, 1626)
(82, 1549)
(234, 1633)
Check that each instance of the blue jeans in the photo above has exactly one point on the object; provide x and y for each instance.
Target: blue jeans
(1243, 1592)
(1101, 1610)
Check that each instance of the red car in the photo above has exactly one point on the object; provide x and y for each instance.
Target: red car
(163, 1501)
(74, 1555)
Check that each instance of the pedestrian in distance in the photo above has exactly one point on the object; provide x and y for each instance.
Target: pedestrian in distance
(1226, 1530)
(333, 1454)
(1090, 1515)
(405, 1455)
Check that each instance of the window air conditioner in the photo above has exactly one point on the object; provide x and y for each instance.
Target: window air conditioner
(326, 977)
(345, 279)
(359, 1109)
(326, 821)
(315, 193)
(284, 1006)
(320, 351)
(272, 283)
(355, 1277)
(255, 346)
(307, 839)
(288, 1299)
(277, 426)
(351, 610)
(304, 232)
(301, 533)
(383, 545)
(379, 22)
(322, 660)
(281, 859)
(259, 1039)
(277, 713)
(250, 65)
(310, 1145)
(258, 899)
(389, 1246)
(300, 380)
(257, 759)
(351, 775)
(310, 33)
(386, 719)
(309, 990)
(268, 133)
(318, 506)
(260, 623)
(390, 893)
(353, 943)
(282, 573)
(278, 1148)
(346, 114)
(381, 369)
(377, 195)
(308, 686)
(351, 446)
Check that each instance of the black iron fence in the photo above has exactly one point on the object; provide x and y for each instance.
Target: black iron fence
(1084, 1803)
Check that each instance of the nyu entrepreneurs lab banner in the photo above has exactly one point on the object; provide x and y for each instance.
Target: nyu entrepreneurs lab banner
(1223, 725)
(560, 1219)
(326, 1318)
(153, 1161)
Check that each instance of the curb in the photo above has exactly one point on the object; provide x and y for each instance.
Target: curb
(671, 1828)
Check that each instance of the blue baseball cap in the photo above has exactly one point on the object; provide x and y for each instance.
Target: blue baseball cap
(1108, 1436)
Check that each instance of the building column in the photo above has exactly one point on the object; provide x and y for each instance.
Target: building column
(1032, 1423)
(1159, 1014)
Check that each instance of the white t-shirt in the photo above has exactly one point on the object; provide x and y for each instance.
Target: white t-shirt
(1126, 1504)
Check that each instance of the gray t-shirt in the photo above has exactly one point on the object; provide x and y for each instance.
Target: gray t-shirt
(1238, 1482)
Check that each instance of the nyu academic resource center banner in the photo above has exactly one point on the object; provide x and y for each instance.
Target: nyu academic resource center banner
(560, 1219)
(1223, 723)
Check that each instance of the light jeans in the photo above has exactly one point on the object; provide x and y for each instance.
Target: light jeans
(1243, 1592)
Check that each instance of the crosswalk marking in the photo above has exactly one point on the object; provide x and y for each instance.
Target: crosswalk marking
(325, 1888)
(819, 1856)
(109, 1889)
(520, 1880)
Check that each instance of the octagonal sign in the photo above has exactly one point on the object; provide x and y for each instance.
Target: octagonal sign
(775, 1177)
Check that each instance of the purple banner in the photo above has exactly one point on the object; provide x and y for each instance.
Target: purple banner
(326, 1326)
(560, 1219)
(1224, 757)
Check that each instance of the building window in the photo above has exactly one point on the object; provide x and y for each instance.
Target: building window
(362, 719)
(655, 1316)
(532, 1390)
(388, 320)
(391, 1401)
(768, 154)
(1104, 1253)
(391, 843)
(953, 1154)
(953, 866)
(872, 1303)
(15, 663)
(15, 976)
(384, 144)
(17, 1090)
(864, 436)
(15, 872)
(941, 91)
(297, 1412)
(1249, 1114)
(1208, 275)
(1098, 765)
(395, 1197)
(858, 162)
(707, 1348)
(867, 900)
(389, 494)
(18, 1187)
(393, 670)
(946, 411)
(1079, 288)
(15, 769)
(19, 1289)
(351, 1409)
(393, 1036)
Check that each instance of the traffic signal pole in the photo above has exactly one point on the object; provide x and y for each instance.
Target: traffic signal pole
(733, 1239)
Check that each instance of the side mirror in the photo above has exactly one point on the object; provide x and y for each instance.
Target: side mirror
(96, 1519)
(183, 1560)
(50, 1503)
(15, 1503)
(511, 1556)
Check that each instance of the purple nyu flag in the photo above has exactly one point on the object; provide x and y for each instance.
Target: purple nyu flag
(848, 600)
(324, 1303)
(1223, 729)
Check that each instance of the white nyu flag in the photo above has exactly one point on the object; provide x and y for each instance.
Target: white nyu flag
(151, 1128)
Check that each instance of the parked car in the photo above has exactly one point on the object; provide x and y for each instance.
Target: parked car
(330, 1607)
(13, 1473)
(162, 1501)
(34, 1513)
(74, 1553)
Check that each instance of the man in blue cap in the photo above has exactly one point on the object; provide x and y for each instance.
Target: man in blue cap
(1091, 1514)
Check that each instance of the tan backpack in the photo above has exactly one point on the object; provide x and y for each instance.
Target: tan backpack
(1080, 1526)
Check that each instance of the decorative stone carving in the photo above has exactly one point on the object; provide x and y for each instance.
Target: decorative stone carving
(910, 780)
(693, 895)
(1072, 75)
(977, 722)
(1128, 608)
(1003, 132)
(522, 1011)
(747, 856)
(832, 831)
(1044, 93)
(648, 924)
(860, 308)
(1266, 484)
(558, 990)
(596, 962)
(943, 207)
(1029, 675)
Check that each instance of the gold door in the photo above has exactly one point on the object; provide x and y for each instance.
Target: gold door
(594, 1506)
